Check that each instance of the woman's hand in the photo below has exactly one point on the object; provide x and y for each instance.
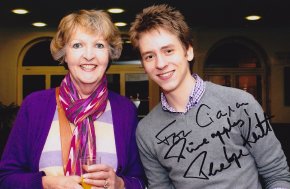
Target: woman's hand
(102, 176)
(61, 182)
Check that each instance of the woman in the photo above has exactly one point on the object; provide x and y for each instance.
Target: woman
(46, 142)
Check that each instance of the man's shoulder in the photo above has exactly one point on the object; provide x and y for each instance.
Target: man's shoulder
(152, 119)
(225, 91)
(155, 112)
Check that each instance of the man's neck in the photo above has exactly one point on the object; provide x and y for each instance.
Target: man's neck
(179, 98)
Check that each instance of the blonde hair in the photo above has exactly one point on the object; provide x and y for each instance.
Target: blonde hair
(92, 21)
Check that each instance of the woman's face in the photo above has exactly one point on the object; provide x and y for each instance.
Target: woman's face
(87, 57)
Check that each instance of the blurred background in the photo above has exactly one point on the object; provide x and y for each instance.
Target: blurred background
(238, 43)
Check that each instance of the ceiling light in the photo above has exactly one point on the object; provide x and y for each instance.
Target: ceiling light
(20, 11)
(120, 24)
(39, 24)
(115, 10)
(253, 17)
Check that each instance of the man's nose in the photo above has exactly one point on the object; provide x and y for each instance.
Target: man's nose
(161, 62)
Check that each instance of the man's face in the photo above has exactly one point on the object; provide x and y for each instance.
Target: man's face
(165, 60)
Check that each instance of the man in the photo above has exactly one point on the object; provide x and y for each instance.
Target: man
(201, 135)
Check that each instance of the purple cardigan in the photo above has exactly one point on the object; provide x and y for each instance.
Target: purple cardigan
(19, 166)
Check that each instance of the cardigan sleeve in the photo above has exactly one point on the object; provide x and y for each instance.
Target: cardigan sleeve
(125, 120)
(19, 166)
(135, 177)
(15, 169)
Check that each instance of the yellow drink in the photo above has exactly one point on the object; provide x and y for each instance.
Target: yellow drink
(85, 185)
(85, 162)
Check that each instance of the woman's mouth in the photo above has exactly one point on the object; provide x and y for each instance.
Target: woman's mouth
(88, 67)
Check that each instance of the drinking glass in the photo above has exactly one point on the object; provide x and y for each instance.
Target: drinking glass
(84, 162)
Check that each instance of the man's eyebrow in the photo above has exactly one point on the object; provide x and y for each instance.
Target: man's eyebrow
(167, 46)
(146, 52)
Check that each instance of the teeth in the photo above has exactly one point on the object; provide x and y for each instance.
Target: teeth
(88, 66)
(165, 74)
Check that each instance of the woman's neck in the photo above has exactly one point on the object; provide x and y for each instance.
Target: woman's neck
(85, 90)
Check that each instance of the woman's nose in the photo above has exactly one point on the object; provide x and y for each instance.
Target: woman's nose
(88, 53)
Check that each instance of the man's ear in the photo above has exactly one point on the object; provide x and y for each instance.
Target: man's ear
(189, 53)
(142, 64)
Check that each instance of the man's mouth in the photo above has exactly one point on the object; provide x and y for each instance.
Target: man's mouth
(165, 75)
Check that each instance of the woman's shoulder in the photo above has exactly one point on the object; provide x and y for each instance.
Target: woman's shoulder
(115, 97)
(40, 97)
(39, 103)
(118, 101)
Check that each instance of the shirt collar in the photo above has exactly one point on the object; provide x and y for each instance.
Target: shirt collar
(194, 97)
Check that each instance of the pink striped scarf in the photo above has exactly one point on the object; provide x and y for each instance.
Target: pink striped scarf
(82, 112)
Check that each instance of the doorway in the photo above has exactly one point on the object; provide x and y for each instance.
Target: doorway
(240, 63)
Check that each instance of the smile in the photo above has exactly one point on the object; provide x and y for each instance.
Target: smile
(166, 75)
(88, 67)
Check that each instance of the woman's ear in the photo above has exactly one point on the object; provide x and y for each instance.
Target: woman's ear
(109, 64)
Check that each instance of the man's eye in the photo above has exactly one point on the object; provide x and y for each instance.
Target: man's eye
(169, 51)
(148, 58)
(76, 45)
(100, 46)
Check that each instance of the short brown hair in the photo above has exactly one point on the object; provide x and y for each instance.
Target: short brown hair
(92, 21)
(161, 16)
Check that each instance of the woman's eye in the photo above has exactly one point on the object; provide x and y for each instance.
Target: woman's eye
(100, 46)
(76, 45)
